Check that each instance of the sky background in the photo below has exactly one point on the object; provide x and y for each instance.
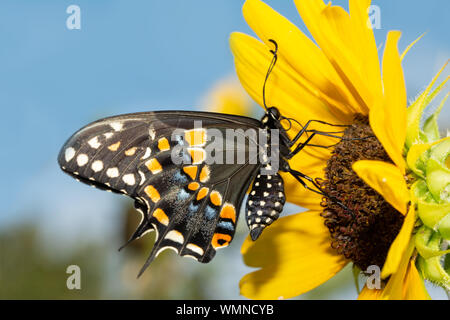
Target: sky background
(132, 56)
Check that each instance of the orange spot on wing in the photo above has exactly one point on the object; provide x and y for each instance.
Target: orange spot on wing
(114, 146)
(191, 171)
(153, 165)
(228, 212)
(195, 137)
(204, 174)
(202, 193)
(216, 198)
(161, 216)
(163, 144)
(198, 155)
(193, 186)
(152, 193)
(220, 240)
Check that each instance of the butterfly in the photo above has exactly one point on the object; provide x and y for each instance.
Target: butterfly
(162, 160)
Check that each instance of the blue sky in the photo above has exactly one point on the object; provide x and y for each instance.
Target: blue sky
(138, 56)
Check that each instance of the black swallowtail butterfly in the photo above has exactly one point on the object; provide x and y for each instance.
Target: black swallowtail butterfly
(194, 207)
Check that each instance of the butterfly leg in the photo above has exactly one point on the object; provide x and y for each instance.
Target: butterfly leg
(300, 147)
(305, 130)
(301, 177)
(313, 133)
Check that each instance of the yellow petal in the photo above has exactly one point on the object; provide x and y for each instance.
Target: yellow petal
(366, 43)
(388, 120)
(294, 255)
(346, 62)
(370, 294)
(386, 179)
(400, 245)
(414, 288)
(299, 52)
(334, 31)
(395, 287)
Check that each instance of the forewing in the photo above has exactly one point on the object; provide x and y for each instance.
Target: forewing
(193, 206)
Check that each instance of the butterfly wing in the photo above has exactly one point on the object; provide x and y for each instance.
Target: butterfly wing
(192, 206)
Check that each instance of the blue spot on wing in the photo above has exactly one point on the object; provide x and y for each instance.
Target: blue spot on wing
(192, 209)
(210, 213)
(183, 195)
(227, 225)
(180, 178)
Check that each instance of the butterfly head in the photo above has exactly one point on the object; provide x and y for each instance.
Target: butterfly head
(271, 116)
(274, 113)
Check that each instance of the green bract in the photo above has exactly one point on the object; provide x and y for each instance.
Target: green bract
(427, 158)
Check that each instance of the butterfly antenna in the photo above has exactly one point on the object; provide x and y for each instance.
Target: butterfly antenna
(272, 64)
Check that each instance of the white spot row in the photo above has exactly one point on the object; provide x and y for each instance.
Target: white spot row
(117, 126)
(152, 133)
(195, 248)
(97, 165)
(69, 154)
(129, 179)
(175, 236)
(147, 153)
(82, 159)
(94, 143)
(112, 172)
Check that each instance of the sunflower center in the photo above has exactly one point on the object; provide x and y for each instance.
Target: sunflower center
(365, 234)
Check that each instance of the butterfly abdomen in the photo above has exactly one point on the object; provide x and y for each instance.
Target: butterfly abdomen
(265, 203)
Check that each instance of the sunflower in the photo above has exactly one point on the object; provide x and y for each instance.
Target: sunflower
(392, 182)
